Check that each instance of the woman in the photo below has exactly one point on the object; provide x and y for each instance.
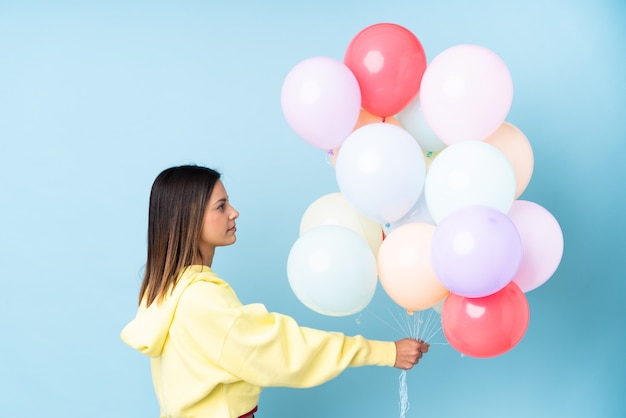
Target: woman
(210, 355)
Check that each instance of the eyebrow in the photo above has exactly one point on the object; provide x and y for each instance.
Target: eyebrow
(222, 200)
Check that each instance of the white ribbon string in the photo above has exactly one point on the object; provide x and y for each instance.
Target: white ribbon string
(404, 395)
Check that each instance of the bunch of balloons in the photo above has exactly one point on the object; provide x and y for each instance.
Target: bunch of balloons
(430, 174)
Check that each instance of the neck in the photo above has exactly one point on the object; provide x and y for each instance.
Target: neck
(205, 256)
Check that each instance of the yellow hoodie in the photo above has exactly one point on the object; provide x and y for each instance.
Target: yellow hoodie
(211, 356)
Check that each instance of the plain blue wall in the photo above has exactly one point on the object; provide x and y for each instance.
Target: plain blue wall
(96, 99)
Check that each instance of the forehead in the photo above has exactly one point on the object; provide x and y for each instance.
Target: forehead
(218, 192)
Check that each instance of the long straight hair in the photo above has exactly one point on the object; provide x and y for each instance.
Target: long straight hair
(178, 199)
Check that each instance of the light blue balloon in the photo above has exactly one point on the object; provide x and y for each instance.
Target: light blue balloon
(332, 270)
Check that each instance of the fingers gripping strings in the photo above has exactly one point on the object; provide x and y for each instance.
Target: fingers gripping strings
(420, 327)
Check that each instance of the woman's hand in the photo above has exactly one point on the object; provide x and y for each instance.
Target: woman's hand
(409, 352)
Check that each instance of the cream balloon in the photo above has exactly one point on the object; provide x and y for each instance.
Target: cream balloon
(429, 157)
(405, 270)
(334, 209)
(513, 143)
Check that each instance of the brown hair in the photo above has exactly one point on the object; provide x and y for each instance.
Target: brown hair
(178, 199)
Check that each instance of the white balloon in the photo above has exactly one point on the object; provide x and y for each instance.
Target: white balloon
(381, 171)
(332, 270)
(419, 213)
(469, 173)
(413, 120)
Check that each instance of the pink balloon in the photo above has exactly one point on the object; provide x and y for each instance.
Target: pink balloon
(542, 244)
(466, 93)
(321, 101)
(388, 61)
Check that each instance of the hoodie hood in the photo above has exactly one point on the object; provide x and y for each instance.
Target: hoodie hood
(148, 332)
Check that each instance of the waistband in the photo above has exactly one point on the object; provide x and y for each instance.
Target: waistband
(250, 414)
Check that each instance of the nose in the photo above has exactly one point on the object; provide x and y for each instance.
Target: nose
(234, 214)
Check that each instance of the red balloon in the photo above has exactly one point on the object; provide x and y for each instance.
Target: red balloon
(388, 61)
(487, 326)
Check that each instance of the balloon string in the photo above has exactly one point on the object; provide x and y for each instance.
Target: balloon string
(404, 395)
(433, 334)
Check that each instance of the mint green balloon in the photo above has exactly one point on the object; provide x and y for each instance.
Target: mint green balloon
(469, 173)
(332, 270)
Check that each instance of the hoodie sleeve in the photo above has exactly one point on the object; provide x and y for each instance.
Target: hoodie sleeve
(271, 349)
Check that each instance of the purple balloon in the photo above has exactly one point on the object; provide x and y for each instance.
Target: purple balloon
(476, 251)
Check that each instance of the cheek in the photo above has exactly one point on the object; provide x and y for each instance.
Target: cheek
(212, 226)
(208, 226)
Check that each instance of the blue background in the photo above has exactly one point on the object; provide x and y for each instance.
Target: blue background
(96, 98)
